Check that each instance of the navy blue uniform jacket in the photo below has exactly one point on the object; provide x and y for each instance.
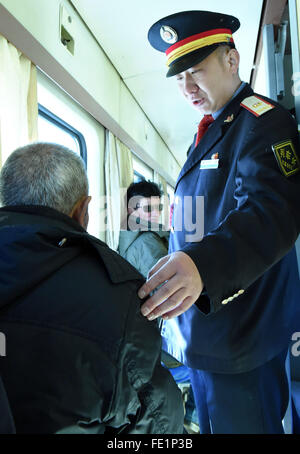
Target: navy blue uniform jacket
(251, 222)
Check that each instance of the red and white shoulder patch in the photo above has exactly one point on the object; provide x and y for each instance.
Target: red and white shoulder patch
(256, 105)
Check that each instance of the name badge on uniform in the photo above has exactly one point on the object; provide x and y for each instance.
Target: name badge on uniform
(212, 163)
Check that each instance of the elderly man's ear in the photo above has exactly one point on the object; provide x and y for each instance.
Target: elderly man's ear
(80, 211)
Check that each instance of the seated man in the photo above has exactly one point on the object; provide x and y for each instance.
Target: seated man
(145, 241)
(80, 356)
(143, 244)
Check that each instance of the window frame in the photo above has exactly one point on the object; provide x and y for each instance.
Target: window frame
(59, 122)
(139, 176)
(138, 166)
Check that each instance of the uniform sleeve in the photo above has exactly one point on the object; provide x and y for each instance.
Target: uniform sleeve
(146, 397)
(266, 222)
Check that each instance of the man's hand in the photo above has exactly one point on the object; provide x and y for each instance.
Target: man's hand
(182, 286)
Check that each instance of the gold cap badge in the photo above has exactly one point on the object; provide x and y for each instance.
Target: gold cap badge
(168, 34)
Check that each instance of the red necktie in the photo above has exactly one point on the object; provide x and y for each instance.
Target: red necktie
(202, 128)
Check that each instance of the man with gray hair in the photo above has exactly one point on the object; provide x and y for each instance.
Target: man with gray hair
(80, 357)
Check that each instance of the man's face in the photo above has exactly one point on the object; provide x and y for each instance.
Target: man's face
(207, 86)
(148, 209)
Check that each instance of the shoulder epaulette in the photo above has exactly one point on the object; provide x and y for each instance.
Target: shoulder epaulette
(256, 105)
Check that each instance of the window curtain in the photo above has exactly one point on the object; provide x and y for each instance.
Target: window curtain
(18, 100)
(118, 176)
(165, 216)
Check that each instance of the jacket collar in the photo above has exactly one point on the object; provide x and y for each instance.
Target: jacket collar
(215, 132)
(127, 237)
(32, 214)
(50, 226)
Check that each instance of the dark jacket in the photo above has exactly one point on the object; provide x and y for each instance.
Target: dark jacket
(80, 357)
(251, 222)
(143, 248)
(7, 425)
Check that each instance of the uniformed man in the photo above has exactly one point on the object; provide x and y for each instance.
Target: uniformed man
(230, 301)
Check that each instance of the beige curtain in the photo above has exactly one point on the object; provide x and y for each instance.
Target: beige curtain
(118, 176)
(125, 166)
(165, 217)
(18, 100)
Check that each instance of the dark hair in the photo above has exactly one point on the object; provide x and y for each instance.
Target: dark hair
(144, 189)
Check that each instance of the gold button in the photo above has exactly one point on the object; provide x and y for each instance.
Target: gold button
(241, 292)
(224, 302)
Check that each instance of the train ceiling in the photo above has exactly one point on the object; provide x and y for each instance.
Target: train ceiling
(121, 28)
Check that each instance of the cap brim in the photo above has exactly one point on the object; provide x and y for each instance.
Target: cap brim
(192, 59)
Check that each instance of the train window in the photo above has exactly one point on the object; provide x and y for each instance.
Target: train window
(50, 126)
(141, 170)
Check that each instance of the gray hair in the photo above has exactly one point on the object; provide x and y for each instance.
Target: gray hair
(43, 174)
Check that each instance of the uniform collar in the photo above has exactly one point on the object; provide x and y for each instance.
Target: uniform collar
(240, 88)
(216, 130)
